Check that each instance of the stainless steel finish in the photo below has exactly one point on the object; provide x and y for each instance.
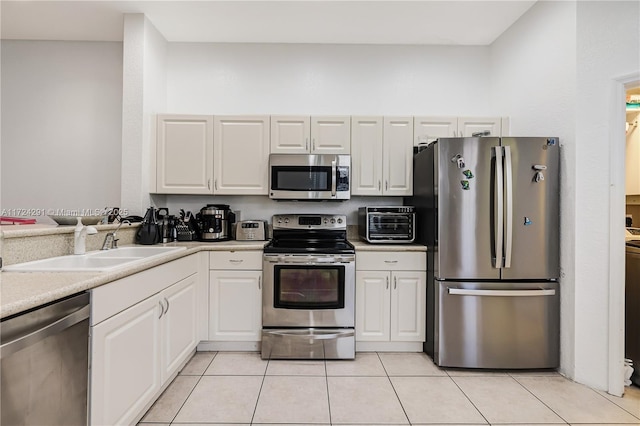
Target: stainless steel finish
(110, 240)
(278, 317)
(502, 293)
(508, 198)
(387, 224)
(214, 222)
(464, 221)
(251, 230)
(499, 209)
(498, 331)
(308, 343)
(632, 308)
(333, 177)
(292, 221)
(44, 364)
(337, 164)
(535, 246)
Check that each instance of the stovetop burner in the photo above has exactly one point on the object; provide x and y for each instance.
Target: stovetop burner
(309, 233)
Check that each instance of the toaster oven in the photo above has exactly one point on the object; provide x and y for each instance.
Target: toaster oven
(387, 224)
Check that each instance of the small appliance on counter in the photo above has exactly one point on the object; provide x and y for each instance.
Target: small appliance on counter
(215, 222)
(149, 232)
(251, 230)
(387, 224)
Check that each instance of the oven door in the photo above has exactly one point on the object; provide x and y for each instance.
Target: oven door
(302, 290)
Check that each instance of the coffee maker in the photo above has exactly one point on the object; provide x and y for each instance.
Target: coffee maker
(215, 222)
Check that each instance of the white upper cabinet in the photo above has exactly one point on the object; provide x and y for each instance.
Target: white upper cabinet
(397, 166)
(429, 128)
(316, 135)
(290, 134)
(366, 155)
(183, 155)
(467, 126)
(382, 156)
(241, 155)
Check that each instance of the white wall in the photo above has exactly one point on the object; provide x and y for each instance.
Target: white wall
(608, 47)
(533, 79)
(144, 94)
(208, 78)
(327, 79)
(61, 125)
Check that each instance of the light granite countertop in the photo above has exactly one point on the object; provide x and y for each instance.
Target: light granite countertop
(21, 291)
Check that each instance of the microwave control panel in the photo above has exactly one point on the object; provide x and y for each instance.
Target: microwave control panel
(342, 183)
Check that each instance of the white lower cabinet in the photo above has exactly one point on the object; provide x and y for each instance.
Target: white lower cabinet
(390, 297)
(235, 296)
(136, 350)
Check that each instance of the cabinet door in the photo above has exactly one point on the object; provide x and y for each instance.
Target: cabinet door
(178, 324)
(366, 155)
(331, 135)
(184, 154)
(467, 126)
(428, 129)
(290, 134)
(241, 155)
(235, 305)
(125, 364)
(408, 306)
(372, 306)
(397, 157)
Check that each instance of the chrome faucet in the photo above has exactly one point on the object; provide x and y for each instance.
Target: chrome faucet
(110, 240)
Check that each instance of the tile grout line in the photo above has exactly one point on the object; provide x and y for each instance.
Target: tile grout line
(264, 376)
(536, 397)
(394, 389)
(194, 387)
(467, 396)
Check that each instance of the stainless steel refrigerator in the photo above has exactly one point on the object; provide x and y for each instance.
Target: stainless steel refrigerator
(488, 210)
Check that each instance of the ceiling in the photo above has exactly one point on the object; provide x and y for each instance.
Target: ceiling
(473, 22)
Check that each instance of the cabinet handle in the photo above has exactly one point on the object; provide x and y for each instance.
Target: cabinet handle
(209, 184)
(387, 283)
(390, 261)
(161, 308)
(314, 143)
(236, 260)
(395, 282)
(306, 144)
(259, 283)
(215, 184)
(166, 310)
(386, 185)
(379, 185)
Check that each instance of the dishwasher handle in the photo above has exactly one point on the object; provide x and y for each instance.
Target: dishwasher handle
(21, 342)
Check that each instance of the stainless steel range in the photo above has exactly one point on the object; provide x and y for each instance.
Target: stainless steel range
(308, 299)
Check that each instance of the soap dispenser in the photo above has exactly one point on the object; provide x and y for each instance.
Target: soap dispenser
(80, 237)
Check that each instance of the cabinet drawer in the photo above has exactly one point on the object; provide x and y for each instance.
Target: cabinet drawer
(250, 259)
(391, 261)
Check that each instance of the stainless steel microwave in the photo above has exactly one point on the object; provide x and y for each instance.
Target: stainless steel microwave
(309, 177)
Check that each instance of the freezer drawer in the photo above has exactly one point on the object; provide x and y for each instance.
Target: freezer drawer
(497, 325)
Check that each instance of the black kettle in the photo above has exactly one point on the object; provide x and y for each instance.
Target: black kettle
(149, 231)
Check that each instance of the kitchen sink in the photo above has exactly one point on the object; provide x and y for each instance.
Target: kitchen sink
(95, 261)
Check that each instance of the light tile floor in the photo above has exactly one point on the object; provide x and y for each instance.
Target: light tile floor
(239, 388)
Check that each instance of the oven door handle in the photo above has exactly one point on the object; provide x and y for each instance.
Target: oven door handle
(311, 334)
(309, 260)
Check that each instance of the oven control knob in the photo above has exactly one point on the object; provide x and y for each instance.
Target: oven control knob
(333, 220)
(286, 220)
(339, 220)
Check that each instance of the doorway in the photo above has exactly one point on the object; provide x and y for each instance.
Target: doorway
(617, 211)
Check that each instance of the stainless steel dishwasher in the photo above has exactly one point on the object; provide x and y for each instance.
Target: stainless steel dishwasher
(44, 364)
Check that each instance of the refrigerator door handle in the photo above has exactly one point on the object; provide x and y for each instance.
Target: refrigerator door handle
(508, 198)
(501, 293)
(499, 212)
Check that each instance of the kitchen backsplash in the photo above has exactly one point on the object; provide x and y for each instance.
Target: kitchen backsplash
(24, 245)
